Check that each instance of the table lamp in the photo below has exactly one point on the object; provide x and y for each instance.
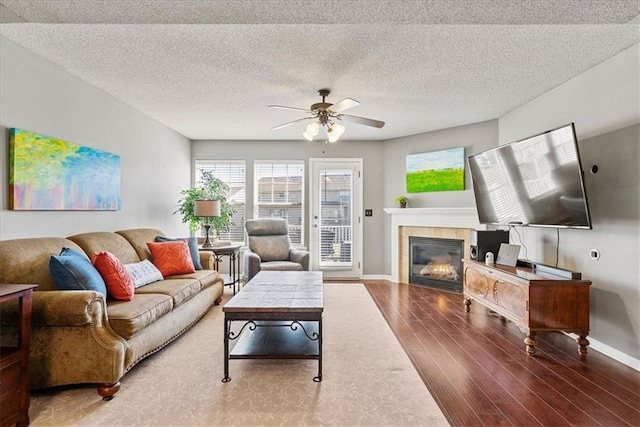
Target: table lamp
(207, 209)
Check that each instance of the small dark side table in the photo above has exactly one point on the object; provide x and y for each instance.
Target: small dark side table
(233, 252)
(14, 361)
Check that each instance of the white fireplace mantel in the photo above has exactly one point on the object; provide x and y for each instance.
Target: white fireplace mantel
(427, 217)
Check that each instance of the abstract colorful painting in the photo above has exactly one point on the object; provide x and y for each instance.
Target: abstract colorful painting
(436, 171)
(51, 174)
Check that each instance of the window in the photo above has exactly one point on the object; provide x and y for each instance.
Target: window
(279, 193)
(232, 173)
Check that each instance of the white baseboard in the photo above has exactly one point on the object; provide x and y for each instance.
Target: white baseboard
(376, 277)
(611, 352)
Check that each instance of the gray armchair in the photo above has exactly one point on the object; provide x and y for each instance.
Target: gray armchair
(270, 248)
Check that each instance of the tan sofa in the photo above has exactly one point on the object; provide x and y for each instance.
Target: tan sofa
(78, 336)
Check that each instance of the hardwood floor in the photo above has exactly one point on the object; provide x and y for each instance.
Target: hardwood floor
(476, 367)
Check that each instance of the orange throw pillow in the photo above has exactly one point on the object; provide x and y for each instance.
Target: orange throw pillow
(171, 257)
(115, 275)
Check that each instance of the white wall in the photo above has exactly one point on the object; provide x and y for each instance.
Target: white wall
(370, 151)
(35, 95)
(604, 104)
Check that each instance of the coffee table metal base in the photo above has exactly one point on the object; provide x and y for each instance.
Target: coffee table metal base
(272, 336)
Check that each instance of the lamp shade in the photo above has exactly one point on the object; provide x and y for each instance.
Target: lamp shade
(207, 208)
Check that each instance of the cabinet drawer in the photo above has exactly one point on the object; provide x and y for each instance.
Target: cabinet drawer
(512, 298)
(10, 378)
(476, 284)
(509, 298)
(10, 409)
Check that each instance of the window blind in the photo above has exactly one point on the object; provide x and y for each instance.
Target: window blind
(232, 173)
(279, 193)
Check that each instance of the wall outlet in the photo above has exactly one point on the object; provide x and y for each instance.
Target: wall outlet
(368, 212)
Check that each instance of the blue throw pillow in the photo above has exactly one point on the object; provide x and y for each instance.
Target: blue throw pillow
(73, 253)
(192, 242)
(72, 271)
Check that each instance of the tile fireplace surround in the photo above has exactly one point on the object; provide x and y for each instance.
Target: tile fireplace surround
(445, 223)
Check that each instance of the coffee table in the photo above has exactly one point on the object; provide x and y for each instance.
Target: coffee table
(280, 317)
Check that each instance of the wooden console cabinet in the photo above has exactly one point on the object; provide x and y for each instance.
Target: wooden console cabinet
(535, 301)
(14, 361)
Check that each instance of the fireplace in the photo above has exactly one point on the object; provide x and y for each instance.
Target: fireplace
(436, 262)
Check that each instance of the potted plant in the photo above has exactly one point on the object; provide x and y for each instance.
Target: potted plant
(401, 200)
(211, 188)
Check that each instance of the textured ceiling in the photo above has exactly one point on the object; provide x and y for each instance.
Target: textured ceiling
(208, 69)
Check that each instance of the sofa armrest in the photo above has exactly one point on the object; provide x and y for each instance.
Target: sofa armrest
(300, 256)
(61, 308)
(251, 264)
(207, 260)
(71, 339)
(68, 308)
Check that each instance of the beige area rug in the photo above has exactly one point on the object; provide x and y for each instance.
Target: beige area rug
(368, 380)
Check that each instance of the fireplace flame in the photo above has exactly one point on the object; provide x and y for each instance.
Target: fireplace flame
(441, 268)
(440, 271)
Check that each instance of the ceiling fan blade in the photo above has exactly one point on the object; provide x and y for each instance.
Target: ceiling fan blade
(362, 120)
(343, 105)
(284, 125)
(282, 107)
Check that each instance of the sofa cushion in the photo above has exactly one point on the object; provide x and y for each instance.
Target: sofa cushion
(27, 260)
(205, 277)
(171, 257)
(192, 242)
(103, 241)
(138, 238)
(128, 318)
(72, 271)
(143, 273)
(119, 283)
(180, 290)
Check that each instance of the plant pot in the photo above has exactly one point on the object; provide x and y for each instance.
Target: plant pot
(403, 205)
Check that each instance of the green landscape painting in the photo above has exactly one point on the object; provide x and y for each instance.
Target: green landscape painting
(436, 171)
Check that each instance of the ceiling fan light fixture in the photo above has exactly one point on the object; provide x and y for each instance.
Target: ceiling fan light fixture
(326, 115)
(334, 132)
(313, 129)
(338, 129)
(332, 136)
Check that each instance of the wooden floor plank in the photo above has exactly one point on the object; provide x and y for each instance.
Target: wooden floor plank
(513, 369)
(549, 378)
(514, 378)
(476, 367)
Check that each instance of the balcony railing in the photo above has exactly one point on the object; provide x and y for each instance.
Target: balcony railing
(335, 243)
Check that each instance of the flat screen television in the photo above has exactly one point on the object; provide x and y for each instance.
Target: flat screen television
(537, 181)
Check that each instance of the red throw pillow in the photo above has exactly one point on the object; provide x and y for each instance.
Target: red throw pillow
(171, 257)
(115, 275)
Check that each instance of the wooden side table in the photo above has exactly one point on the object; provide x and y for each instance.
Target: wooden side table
(14, 361)
(233, 252)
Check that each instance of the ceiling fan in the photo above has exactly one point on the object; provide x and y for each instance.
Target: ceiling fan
(327, 116)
